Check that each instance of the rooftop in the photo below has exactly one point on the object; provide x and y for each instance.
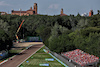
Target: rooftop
(63, 15)
(19, 11)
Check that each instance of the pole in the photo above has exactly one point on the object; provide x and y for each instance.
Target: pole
(20, 12)
(23, 31)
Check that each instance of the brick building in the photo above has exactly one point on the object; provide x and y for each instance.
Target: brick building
(28, 12)
(3, 13)
(90, 13)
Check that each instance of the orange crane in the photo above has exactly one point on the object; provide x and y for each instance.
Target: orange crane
(18, 30)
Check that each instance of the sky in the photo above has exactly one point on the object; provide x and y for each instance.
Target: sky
(52, 7)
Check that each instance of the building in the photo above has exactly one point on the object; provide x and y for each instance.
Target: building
(28, 12)
(3, 13)
(90, 13)
(85, 14)
(62, 14)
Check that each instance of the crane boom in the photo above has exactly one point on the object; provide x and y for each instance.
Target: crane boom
(18, 29)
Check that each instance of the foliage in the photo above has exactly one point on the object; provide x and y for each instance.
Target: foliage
(5, 42)
(59, 33)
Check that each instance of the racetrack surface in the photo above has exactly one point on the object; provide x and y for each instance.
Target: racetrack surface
(21, 57)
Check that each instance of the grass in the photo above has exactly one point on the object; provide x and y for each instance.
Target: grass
(39, 58)
(0, 60)
(15, 51)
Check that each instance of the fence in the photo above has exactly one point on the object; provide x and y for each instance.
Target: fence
(33, 39)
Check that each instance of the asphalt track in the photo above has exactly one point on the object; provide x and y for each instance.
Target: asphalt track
(21, 57)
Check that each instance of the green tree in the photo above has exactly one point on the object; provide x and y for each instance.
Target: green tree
(5, 42)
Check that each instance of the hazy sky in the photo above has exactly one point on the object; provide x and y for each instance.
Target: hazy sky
(52, 7)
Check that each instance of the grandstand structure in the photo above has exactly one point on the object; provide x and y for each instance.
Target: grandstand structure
(81, 59)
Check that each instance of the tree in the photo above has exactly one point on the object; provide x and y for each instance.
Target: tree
(4, 25)
(98, 11)
(5, 42)
(78, 15)
(61, 44)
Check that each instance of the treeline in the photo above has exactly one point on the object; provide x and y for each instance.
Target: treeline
(59, 33)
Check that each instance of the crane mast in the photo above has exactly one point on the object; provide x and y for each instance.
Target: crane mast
(18, 30)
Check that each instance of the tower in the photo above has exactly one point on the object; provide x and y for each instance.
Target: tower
(35, 7)
(90, 13)
(30, 8)
(61, 10)
(62, 13)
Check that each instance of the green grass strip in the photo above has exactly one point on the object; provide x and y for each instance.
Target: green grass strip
(39, 58)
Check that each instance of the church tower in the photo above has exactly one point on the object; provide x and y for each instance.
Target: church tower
(90, 13)
(35, 7)
(61, 10)
(62, 13)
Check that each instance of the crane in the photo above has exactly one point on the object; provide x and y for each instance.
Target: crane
(18, 30)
